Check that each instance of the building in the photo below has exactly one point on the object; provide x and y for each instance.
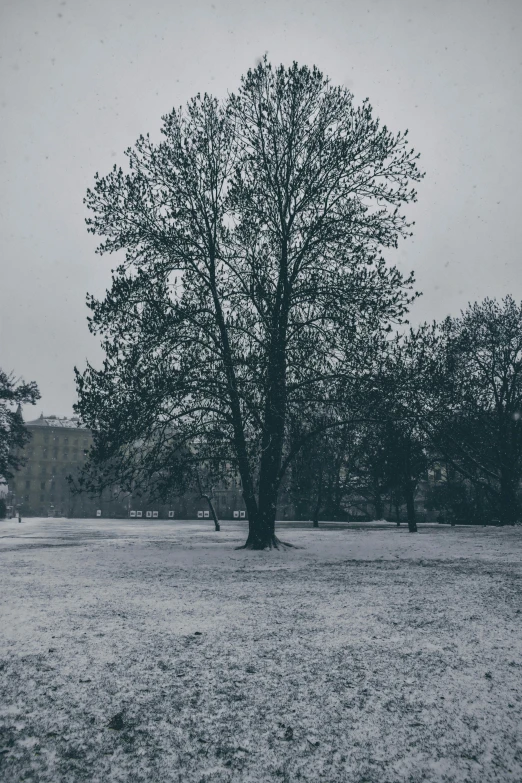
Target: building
(57, 449)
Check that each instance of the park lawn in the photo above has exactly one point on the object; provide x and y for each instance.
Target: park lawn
(136, 651)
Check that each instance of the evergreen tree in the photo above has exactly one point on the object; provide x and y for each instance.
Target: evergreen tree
(13, 434)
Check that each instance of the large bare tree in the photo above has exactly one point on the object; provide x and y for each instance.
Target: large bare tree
(253, 284)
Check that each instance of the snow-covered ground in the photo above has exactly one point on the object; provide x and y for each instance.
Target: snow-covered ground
(154, 651)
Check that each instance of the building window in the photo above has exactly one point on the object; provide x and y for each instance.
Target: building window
(28, 485)
(437, 474)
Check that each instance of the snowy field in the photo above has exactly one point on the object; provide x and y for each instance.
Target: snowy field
(138, 651)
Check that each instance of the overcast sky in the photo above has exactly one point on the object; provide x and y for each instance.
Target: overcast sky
(81, 79)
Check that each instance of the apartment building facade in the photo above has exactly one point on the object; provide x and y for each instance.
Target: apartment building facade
(58, 448)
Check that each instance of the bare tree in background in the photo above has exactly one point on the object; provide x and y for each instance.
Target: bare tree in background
(480, 427)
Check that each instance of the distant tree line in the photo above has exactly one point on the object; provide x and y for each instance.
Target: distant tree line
(448, 397)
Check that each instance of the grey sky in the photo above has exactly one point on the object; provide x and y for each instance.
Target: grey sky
(81, 79)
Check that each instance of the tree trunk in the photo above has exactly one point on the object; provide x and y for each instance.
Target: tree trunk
(508, 499)
(378, 505)
(410, 510)
(261, 533)
(261, 528)
(409, 489)
(210, 504)
(397, 513)
(317, 509)
(212, 511)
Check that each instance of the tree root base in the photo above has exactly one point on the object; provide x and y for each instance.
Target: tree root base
(273, 543)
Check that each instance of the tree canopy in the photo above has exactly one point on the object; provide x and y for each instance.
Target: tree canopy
(253, 288)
